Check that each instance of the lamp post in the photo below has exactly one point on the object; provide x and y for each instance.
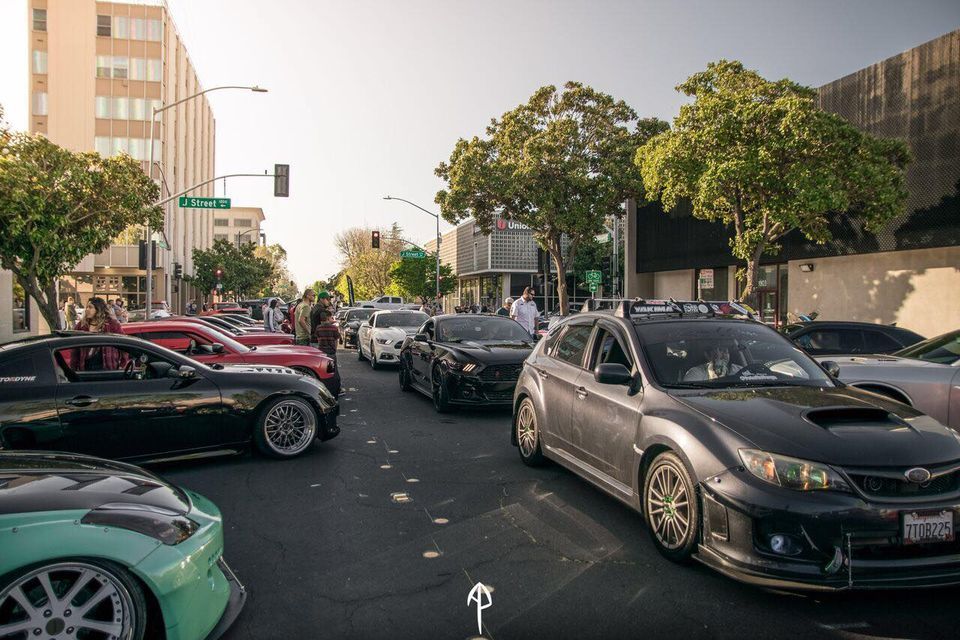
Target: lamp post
(251, 230)
(437, 216)
(153, 118)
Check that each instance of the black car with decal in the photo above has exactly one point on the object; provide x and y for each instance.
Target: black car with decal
(124, 398)
(741, 451)
(465, 359)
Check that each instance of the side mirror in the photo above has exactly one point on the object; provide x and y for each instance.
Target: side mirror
(833, 369)
(185, 372)
(421, 337)
(612, 373)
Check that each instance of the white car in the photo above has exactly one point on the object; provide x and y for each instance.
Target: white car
(379, 339)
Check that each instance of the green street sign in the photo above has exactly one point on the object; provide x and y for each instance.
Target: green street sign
(413, 253)
(189, 202)
(594, 277)
(593, 287)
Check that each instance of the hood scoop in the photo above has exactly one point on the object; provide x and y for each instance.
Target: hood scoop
(854, 418)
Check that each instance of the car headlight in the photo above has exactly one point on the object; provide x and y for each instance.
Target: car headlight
(383, 340)
(169, 527)
(792, 473)
(465, 367)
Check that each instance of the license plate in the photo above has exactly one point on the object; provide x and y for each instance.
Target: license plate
(927, 526)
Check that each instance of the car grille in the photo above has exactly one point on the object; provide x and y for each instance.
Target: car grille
(889, 487)
(499, 396)
(501, 372)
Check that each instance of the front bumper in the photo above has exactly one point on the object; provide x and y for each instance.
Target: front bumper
(388, 353)
(235, 602)
(328, 425)
(349, 338)
(841, 540)
(471, 390)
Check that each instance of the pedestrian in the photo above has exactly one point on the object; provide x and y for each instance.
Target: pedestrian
(301, 321)
(524, 311)
(505, 309)
(315, 313)
(205, 308)
(272, 317)
(326, 334)
(97, 318)
(70, 310)
(264, 308)
(192, 308)
(61, 317)
(120, 312)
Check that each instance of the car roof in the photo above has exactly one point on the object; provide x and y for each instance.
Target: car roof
(58, 339)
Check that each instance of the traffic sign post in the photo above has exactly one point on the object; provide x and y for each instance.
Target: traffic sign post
(414, 254)
(189, 202)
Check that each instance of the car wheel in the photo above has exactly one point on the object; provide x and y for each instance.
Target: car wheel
(528, 434)
(441, 395)
(287, 426)
(73, 598)
(671, 507)
(373, 358)
(404, 376)
(360, 355)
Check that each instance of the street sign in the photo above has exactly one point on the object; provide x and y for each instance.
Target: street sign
(204, 203)
(594, 277)
(413, 253)
(593, 286)
(706, 278)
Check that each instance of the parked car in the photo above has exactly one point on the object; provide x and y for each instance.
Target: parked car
(741, 450)
(465, 359)
(244, 337)
(350, 325)
(379, 338)
(123, 398)
(386, 302)
(207, 345)
(228, 307)
(925, 375)
(97, 549)
(826, 337)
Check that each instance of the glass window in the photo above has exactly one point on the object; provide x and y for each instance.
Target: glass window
(137, 149)
(573, 344)
(138, 69)
(40, 103)
(943, 349)
(409, 319)
(103, 66)
(102, 108)
(831, 341)
(712, 284)
(103, 26)
(120, 65)
(21, 309)
(878, 342)
(153, 70)
(121, 27)
(39, 19)
(608, 349)
(154, 30)
(139, 31)
(102, 145)
(221, 222)
(39, 61)
(121, 109)
(109, 362)
(242, 222)
(119, 145)
(219, 236)
(138, 110)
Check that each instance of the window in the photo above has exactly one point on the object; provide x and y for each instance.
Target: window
(109, 362)
(154, 30)
(153, 70)
(221, 222)
(573, 344)
(103, 66)
(21, 309)
(138, 69)
(102, 107)
(138, 109)
(40, 103)
(608, 349)
(102, 144)
(121, 108)
(137, 148)
(119, 145)
(120, 66)
(39, 61)
(878, 342)
(39, 19)
(121, 27)
(219, 236)
(827, 341)
(242, 222)
(103, 26)
(139, 31)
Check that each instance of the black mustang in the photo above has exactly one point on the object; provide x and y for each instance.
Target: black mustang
(465, 359)
(125, 398)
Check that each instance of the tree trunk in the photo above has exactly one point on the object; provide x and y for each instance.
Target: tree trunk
(563, 298)
(45, 297)
(749, 294)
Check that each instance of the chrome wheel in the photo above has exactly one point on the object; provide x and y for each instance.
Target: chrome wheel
(527, 430)
(289, 427)
(668, 507)
(67, 600)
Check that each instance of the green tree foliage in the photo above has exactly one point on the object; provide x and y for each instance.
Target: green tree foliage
(244, 272)
(369, 268)
(280, 283)
(58, 206)
(417, 278)
(761, 157)
(559, 164)
(597, 256)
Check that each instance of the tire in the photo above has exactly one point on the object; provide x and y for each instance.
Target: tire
(373, 358)
(360, 356)
(671, 510)
(404, 375)
(117, 594)
(441, 396)
(527, 431)
(286, 428)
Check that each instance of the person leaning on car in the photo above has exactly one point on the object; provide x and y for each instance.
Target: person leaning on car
(301, 325)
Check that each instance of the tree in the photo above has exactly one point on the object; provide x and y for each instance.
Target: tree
(417, 278)
(58, 206)
(280, 283)
(243, 271)
(369, 268)
(762, 157)
(597, 256)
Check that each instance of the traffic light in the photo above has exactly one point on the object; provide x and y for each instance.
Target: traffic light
(142, 264)
(177, 271)
(375, 239)
(281, 180)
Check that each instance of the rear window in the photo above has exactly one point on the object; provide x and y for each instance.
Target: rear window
(27, 369)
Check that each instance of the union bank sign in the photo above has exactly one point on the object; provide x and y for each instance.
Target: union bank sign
(510, 225)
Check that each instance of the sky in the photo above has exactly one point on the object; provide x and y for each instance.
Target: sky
(366, 97)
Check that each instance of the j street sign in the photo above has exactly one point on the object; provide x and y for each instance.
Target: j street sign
(188, 202)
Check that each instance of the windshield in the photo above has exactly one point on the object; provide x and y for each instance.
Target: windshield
(720, 354)
(401, 319)
(359, 314)
(943, 349)
(214, 334)
(481, 329)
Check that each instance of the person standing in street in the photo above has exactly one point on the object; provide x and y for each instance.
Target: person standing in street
(301, 322)
(524, 311)
(326, 334)
(61, 317)
(120, 312)
(272, 316)
(70, 311)
(505, 309)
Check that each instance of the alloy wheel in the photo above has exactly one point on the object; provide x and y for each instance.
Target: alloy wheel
(668, 507)
(67, 600)
(527, 430)
(290, 427)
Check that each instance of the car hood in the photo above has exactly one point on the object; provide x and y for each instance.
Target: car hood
(840, 426)
(395, 332)
(258, 368)
(31, 482)
(493, 352)
(286, 348)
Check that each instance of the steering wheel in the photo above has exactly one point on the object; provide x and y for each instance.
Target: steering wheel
(128, 370)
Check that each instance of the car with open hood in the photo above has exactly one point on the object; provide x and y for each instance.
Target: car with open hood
(379, 338)
(741, 451)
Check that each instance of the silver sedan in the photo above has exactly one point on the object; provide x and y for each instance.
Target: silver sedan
(925, 375)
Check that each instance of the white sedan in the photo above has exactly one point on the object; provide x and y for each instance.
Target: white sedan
(380, 338)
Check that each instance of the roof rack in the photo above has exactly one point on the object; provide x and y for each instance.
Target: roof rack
(640, 308)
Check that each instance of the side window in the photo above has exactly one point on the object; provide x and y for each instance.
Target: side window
(573, 344)
(877, 342)
(173, 340)
(831, 341)
(100, 363)
(428, 329)
(609, 349)
(25, 370)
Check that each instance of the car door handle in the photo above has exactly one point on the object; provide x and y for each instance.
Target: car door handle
(543, 374)
(582, 393)
(81, 401)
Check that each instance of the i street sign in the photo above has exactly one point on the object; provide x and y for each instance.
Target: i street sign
(594, 277)
(413, 253)
(204, 203)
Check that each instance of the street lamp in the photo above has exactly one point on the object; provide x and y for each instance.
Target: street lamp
(153, 118)
(251, 230)
(438, 234)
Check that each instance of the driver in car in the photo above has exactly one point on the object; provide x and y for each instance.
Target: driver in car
(717, 365)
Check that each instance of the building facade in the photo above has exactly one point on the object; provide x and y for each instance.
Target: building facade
(908, 273)
(97, 69)
(238, 224)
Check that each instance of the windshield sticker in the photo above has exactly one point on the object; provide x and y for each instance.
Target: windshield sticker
(748, 376)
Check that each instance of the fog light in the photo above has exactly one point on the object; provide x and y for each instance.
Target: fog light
(783, 545)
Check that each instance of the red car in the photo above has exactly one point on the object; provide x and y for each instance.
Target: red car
(243, 336)
(229, 307)
(208, 345)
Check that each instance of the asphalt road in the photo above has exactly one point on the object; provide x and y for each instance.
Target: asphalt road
(329, 548)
